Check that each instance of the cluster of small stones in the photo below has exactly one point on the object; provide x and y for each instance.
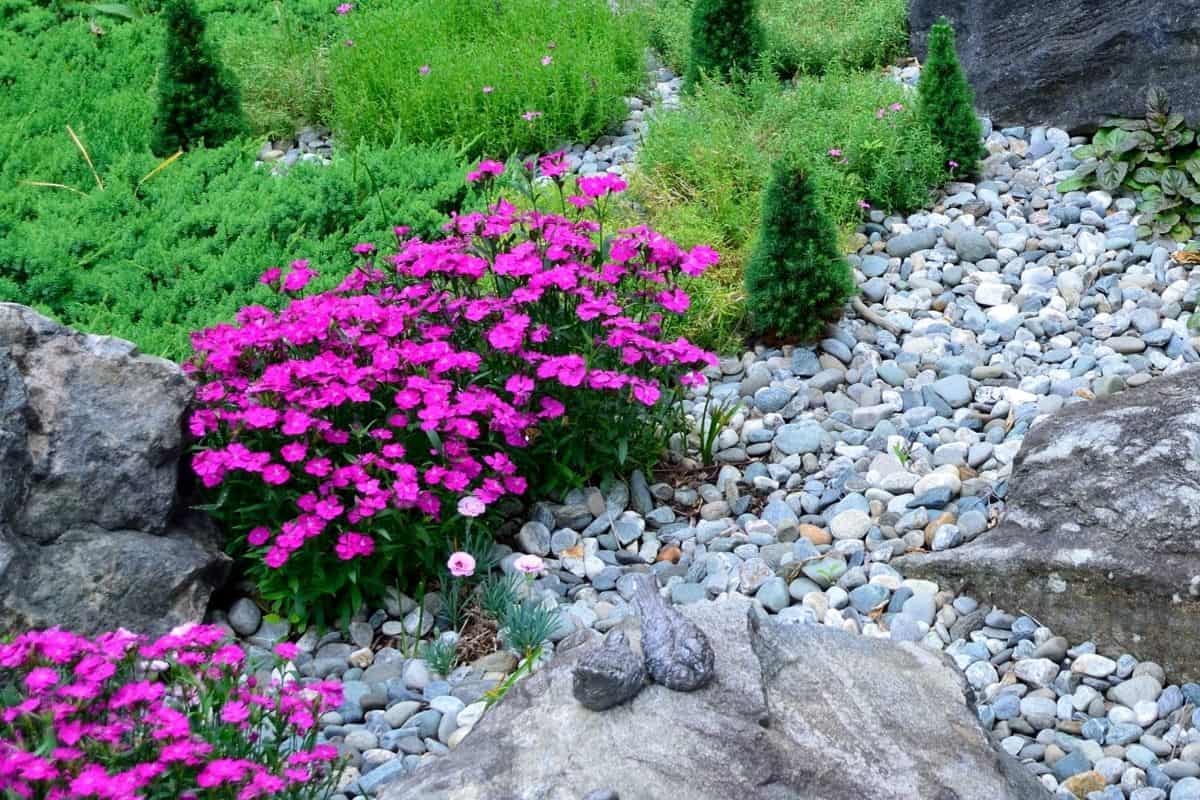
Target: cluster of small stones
(610, 153)
(397, 712)
(311, 145)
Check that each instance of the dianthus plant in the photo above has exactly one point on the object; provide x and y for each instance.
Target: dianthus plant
(116, 717)
(349, 436)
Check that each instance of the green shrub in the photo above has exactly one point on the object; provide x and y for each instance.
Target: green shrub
(799, 36)
(184, 250)
(726, 39)
(198, 100)
(492, 77)
(797, 279)
(948, 103)
(702, 170)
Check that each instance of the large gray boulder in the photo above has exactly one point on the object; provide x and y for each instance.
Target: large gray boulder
(90, 442)
(1070, 63)
(794, 711)
(1101, 536)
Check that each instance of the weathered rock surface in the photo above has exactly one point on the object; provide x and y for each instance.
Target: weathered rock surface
(1101, 524)
(1070, 63)
(90, 441)
(793, 711)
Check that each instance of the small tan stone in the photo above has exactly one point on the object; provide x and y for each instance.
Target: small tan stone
(1083, 783)
(362, 658)
(945, 518)
(814, 534)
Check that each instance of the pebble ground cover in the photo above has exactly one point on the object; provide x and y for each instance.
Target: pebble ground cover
(374, 388)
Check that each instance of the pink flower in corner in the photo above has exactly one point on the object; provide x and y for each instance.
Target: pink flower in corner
(471, 506)
(864, 205)
(835, 152)
(462, 565)
(880, 112)
(424, 70)
(896, 106)
(287, 650)
(547, 60)
(530, 116)
(529, 564)
(345, 8)
(488, 89)
(952, 164)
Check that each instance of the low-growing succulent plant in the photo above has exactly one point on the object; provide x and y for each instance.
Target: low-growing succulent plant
(1155, 160)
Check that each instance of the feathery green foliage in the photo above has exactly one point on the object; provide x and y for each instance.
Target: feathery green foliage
(948, 103)
(726, 39)
(797, 279)
(198, 99)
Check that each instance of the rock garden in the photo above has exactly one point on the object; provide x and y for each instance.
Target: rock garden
(486, 399)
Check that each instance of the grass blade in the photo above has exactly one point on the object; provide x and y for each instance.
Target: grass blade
(86, 157)
(54, 186)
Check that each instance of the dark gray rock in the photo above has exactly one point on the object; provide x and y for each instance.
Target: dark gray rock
(678, 654)
(90, 441)
(1099, 532)
(610, 674)
(794, 711)
(1069, 63)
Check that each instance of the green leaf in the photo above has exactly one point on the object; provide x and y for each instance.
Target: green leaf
(1110, 174)
(1072, 184)
(1181, 232)
(1192, 165)
(1084, 152)
(1086, 168)
(1144, 231)
(1174, 181)
(1158, 101)
(1132, 124)
(120, 10)
(1174, 121)
(1146, 175)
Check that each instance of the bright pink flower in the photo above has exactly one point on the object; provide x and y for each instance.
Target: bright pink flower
(835, 152)
(235, 712)
(287, 650)
(547, 61)
(276, 474)
(40, 679)
(351, 545)
(345, 8)
(298, 277)
(461, 565)
(271, 276)
(896, 106)
(600, 185)
(530, 116)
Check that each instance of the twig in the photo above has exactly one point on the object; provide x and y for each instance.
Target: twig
(54, 186)
(875, 319)
(86, 157)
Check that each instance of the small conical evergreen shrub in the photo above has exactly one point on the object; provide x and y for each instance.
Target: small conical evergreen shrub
(198, 100)
(726, 39)
(796, 279)
(948, 103)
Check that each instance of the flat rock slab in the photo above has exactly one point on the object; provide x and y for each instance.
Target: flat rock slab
(794, 711)
(1101, 535)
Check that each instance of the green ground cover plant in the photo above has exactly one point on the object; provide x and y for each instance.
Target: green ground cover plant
(800, 36)
(703, 168)
(151, 263)
(514, 76)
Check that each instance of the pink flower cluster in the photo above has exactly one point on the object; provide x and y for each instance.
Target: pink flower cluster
(409, 391)
(129, 719)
